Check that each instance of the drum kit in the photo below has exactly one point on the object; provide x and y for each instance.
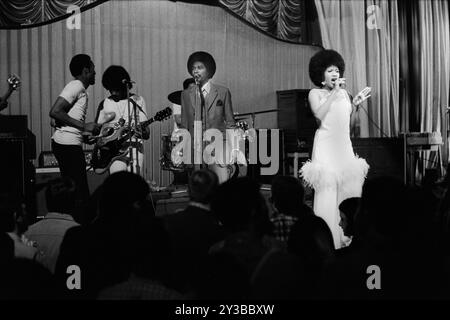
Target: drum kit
(168, 142)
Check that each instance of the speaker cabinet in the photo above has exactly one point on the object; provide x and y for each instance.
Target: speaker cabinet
(17, 173)
(296, 119)
(384, 156)
(13, 167)
(44, 175)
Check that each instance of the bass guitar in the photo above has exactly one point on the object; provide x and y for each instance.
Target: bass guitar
(111, 143)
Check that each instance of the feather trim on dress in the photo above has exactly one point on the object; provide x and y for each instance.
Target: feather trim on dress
(319, 176)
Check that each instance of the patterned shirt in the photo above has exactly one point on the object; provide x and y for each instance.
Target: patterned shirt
(282, 226)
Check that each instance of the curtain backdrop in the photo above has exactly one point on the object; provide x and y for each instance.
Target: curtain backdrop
(30, 13)
(282, 19)
(366, 34)
(152, 40)
(434, 68)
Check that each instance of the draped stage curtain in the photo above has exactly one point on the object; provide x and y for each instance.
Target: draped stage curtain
(282, 19)
(367, 38)
(31, 13)
(434, 68)
(402, 54)
(152, 40)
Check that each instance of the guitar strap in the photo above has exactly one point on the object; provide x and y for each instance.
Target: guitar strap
(100, 108)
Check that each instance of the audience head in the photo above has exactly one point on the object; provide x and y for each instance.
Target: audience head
(287, 195)
(120, 193)
(321, 61)
(311, 239)
(12, 214)
(202, 185)
(60, 195)
(382, 206)
(348, 210)
(240, 206)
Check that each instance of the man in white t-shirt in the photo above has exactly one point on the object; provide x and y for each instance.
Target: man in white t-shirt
(68, 114)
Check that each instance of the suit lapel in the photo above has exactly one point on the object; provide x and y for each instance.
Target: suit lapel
(211, 97)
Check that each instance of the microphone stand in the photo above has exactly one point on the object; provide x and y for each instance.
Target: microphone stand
(200, 144)
(202, 117)
(136, 124)
(130, 138)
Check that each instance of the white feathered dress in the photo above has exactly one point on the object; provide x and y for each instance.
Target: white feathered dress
(334, 171)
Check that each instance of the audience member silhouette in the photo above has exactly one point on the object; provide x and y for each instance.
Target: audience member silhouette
(288, 200)
(105, 249)
(395, 239)
(311, 240)
(248, 246)
(49, 232)
(194, 230)
(20, 276)
(149, 276)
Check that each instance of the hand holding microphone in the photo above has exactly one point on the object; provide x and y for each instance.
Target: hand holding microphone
(339, 83)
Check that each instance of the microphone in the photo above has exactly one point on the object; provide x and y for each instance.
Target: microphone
(197, 79)
(341, 85)
(128, 81)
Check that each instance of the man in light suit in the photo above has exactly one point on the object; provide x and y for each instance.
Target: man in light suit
(212, 108)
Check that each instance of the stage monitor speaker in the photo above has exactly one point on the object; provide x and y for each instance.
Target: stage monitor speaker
(384, 156)
(16, 171)
(44, 175)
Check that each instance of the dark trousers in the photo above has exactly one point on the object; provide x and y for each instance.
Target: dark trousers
(72, 164)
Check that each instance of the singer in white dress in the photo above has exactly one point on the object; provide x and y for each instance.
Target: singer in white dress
(334, 171)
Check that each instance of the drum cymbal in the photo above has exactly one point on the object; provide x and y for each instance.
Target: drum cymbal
(175, 97)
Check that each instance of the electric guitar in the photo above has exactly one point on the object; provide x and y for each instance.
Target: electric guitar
(111, 142)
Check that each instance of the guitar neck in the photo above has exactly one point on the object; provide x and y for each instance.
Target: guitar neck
(147, 122)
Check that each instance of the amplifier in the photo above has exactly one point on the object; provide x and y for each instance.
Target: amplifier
(44, 175)
(48, 160)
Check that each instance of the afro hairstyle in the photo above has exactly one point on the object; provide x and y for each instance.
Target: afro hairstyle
(113, 77)
(321, 61)
(205, 58)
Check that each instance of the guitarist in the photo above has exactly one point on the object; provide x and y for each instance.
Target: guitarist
(115, 109)
(68, 115)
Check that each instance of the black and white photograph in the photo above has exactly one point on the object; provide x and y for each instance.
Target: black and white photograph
(224, 158)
